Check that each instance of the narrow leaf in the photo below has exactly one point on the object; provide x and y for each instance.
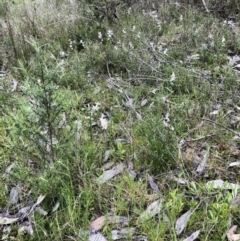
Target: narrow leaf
(234, 164)
(26, 227)
(153, 209)
(107, 175)
(106, 155)
(13, 198)
(143, 102)
(231, 234)
(97, 223)
(182, 221)
(203, 163)
(221, 184)
(123, 233)
(56, 206)
(7, 220)
(193, 236)
(97, 237)
(152, 184)
(118, 220)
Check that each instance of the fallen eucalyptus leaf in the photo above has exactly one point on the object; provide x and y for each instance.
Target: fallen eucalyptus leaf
(179, 180)
(41, 211)
(182, 221)
(231, 234)
(56, 206)
(9, 168)
(84, 233)
(193, 236)
(118, 219)
(222, 184)
(103, 122)
(202, 165)
(107, 165)
(154, 91)
(120, 140)
(107, 175)
(26, 227)
(234, 164)
(214, 113)
(193, 57)
(132, 174)
(7, 220)
(153, 209)
(141, 238)
(143, 102)
(96, 90)
(138, 115)
(235, 203)
(152, 184)
(233, 60)
(63, 121)
(172, 77)
(129, 102)
(97, 223)
(14, 87)
(96, 237)
(106, 155)
(123, 233)
(13, 198)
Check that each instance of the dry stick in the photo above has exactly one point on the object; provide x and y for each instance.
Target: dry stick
(226, 128)
(205, 6)
(200, 138)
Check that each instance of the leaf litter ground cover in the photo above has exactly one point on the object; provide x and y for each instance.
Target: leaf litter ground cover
(120, 129)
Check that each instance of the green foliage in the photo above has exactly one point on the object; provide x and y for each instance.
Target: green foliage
(155, 70)
(160, 145)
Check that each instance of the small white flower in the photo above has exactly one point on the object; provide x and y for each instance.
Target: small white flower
(173, 77)
(138, 35)
(82, 43)
(96, 107)
(129, 10)
(133, 28)
(63, 54)
(124, 31)
(223, 41)
(131, 45)
(109, 34)
(103, 122)
(100, 35)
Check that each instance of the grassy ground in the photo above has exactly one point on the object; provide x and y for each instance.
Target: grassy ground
(151, 86)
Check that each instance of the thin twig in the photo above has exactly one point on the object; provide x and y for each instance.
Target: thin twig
(200, 138)
(226, 128)
(205, 6)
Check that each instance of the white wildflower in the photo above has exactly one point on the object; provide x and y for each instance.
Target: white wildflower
(100, 35)
(63, 54)
(131, 45)
(133, 28)
(96, 107)
(109, 34)
(82, 43)
(223, 41)
(124, 31)
(103, 122)
(138, 35)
